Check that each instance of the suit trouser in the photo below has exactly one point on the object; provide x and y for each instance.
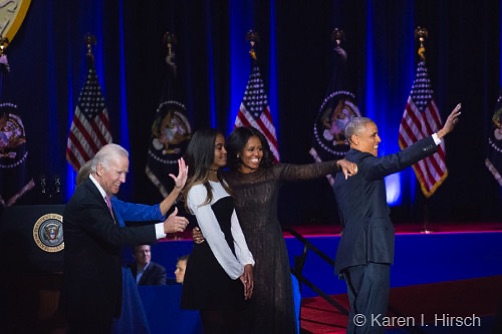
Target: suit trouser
(368, 290)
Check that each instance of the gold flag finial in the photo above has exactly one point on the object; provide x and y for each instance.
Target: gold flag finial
(90, 41)
(253, 38)
(4, 42)
(421, 34)
(169, 40)
(337, 36)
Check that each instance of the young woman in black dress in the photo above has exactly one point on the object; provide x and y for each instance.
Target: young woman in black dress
(219, 276)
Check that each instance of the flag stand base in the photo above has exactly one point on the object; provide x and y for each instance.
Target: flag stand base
(425, 229)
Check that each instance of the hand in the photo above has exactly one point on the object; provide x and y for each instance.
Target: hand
(348, 168)
(181, 179)
(175, 223)
(451, 121)
(248, 280)
(197, 236)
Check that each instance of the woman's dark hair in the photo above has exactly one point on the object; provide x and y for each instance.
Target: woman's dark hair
(199, 157)
(238, 140)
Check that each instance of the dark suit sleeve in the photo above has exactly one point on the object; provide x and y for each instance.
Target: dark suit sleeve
(90, 213)
(380, 167)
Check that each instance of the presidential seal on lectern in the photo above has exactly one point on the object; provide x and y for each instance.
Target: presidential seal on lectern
(48, 233)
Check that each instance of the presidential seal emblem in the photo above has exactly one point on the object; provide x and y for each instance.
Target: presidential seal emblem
(48, 233)
(13, 156)
(497, 124)
(330, 141)
(170, 135)
(170, 131)
(329, 129)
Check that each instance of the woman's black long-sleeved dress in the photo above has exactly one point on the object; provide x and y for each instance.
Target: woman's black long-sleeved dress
(255, 198)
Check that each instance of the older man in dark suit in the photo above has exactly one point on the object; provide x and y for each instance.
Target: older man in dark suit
(366, 248)
(92, 278)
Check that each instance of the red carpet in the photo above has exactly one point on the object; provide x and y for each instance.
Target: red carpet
(474, 297)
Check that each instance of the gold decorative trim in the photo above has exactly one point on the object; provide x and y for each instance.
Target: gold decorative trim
(12, 15)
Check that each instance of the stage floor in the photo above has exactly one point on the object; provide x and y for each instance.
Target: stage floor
(424, 261)
(425, 308)
(452, 270)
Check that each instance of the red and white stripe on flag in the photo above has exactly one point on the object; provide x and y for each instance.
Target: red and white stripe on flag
(86, 137)
(416, 125)
(90, 128)
(264, 123)
(254, 110)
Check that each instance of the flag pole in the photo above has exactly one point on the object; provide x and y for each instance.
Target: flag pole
(90, 41)
(169, 39)
(253, 38)
(425, 229)
(421, 34)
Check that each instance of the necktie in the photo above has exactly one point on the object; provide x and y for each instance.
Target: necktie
(109, 205)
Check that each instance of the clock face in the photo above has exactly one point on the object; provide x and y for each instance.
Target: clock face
(12, 13)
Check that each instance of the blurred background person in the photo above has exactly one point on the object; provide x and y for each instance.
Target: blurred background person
(181, 265)
(144, 271)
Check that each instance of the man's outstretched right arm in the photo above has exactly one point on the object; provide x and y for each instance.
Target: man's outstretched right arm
(450, 123)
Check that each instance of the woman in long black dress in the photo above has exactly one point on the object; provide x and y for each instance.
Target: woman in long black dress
(255, 182)
(219, 276)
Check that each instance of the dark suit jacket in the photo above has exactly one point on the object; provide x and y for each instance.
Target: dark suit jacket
(368, 233)
(154, 274)
(92, 278)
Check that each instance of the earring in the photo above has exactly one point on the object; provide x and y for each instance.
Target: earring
(238, 156)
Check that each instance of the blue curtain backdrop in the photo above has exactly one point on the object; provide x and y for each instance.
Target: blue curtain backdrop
(463, 57)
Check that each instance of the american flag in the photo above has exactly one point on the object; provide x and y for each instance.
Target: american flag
(494, 159)
(421, 119)
(90, 129)
(254, 110)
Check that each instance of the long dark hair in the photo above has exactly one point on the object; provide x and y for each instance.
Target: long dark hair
(238, 140)
(199, 157)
